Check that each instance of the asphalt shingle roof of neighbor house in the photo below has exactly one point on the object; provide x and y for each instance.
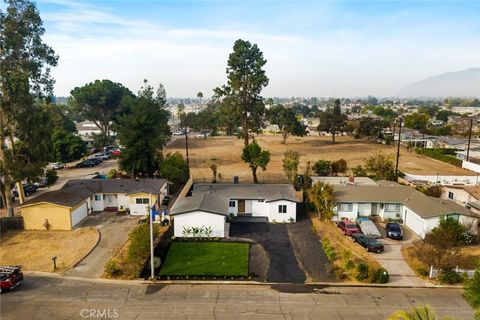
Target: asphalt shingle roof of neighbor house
(254, 191)
(392, 192)
(214, 198)
(75, 191)
(344, 180)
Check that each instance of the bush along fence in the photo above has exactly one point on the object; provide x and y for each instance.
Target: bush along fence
(444, 155)
(450, 276)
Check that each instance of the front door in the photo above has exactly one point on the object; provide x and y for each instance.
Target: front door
(241, 206)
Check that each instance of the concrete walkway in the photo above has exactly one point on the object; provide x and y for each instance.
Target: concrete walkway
(114, 232)
(400, 272)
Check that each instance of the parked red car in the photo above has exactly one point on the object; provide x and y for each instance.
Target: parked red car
(10, 277)
(348, 227)
(116, 152)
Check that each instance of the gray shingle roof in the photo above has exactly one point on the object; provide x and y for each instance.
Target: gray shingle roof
(391, 192)
(267, 192)
(212, 202)
(214, 198)
(75, 191)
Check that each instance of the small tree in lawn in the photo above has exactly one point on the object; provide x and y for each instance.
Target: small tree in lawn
(322, 168)
(321, 196)
(290, 165)
(255, 157)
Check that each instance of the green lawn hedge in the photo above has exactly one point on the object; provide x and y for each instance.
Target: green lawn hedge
(206, 259)
(444, 155)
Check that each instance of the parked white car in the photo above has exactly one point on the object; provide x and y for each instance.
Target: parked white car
(55, 166)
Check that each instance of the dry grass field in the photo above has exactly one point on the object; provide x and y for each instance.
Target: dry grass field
(33, 250)
(227, 151)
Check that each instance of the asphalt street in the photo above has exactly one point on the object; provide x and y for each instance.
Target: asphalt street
(42, 297)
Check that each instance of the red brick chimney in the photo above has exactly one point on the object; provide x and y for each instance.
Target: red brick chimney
(351, 179)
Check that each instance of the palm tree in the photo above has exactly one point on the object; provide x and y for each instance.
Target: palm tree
(417, 313)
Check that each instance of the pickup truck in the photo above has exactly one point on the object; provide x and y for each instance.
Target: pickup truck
(10, 277)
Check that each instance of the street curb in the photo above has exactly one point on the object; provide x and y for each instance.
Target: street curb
(91, 249)
(225, 282)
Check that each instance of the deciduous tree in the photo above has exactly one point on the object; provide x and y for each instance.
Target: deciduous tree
(332, 120)
(287, 122)
(256, 158)
(322, 168)
(380, 167)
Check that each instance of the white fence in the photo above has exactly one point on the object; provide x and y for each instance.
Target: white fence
(435, 272)
(471, 166)
(443, 180)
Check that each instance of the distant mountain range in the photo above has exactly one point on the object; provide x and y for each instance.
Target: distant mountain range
(465, 83)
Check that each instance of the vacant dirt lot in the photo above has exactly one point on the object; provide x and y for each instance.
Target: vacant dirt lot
(33, 250)
(226, 152)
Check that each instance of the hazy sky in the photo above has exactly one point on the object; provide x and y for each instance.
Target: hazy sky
(314, 48)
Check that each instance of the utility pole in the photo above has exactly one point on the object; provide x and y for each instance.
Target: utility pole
(398, 144)
(469, 137)
(150, 212)
(186, 147)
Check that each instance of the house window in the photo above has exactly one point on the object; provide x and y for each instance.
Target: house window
(231, 204)
(98, 197)
(450, 195)
(282, 208)
(345, 207)
(142, 201)
(392, 207)
(453, 216)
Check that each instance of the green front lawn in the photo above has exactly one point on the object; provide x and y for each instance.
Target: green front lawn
(206, 259)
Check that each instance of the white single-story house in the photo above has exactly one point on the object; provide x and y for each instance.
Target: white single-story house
(466, 195)
(68, 206)
(211, 204)
(390, 200)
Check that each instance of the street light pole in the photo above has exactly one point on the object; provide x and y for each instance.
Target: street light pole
(150, 212)
(398, 145)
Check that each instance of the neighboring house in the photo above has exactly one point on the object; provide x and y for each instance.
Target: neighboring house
(210, 205)
(390, 200)
(87, 129)
(66, 207)
(468, 196)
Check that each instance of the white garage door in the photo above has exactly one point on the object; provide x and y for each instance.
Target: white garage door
(414, 222)
(79, 214)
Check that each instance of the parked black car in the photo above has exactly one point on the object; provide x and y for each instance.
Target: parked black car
(87, 163)
(28, 189)
(369, 243)
(394, 231)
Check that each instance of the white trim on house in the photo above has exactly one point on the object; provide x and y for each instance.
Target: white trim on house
(210, 205)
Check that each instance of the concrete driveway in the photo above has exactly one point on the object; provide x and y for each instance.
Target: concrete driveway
(114, 232)
(400, 272)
